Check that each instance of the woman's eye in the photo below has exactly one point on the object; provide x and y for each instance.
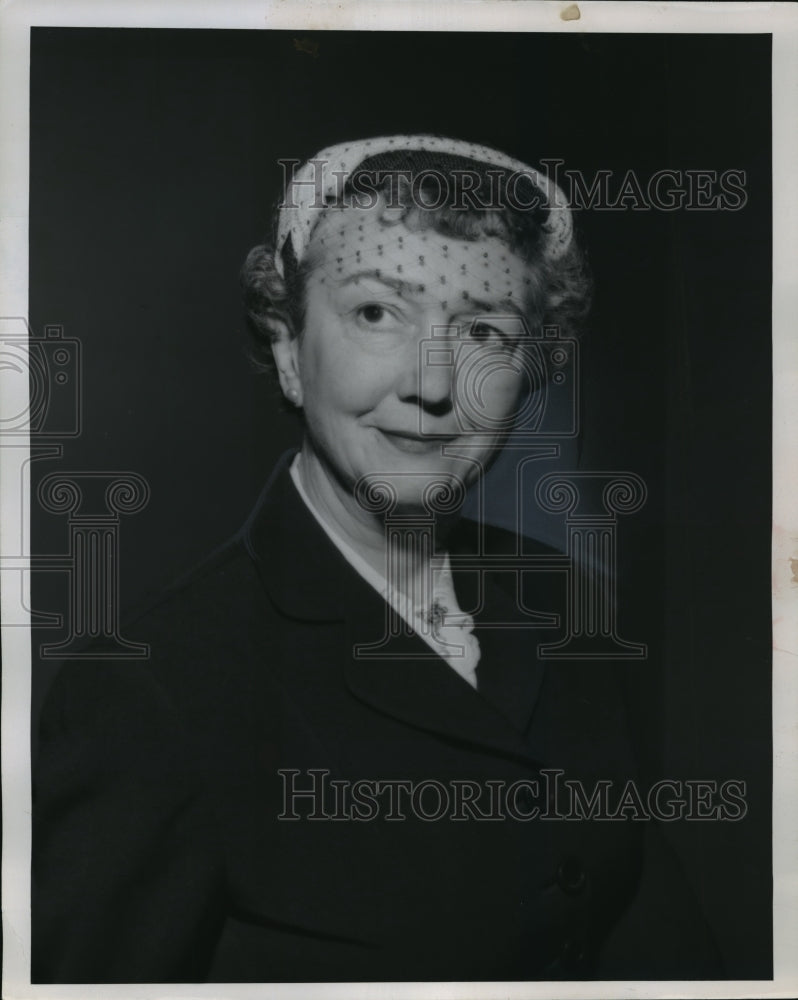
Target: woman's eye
(483, 332)
(372, 313)
(379, 318)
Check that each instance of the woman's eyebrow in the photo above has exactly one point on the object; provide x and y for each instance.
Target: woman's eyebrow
(494, 306)
(397, 283)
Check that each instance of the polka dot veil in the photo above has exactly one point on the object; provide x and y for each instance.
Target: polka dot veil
(315, 185)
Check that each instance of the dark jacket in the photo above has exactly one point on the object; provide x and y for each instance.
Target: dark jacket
(163, 850)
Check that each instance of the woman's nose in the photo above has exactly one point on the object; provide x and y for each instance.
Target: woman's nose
(430, 371)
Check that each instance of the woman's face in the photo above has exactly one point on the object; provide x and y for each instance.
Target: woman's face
(411, 362)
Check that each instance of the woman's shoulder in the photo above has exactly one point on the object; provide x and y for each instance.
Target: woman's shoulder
(207, 588)
(195, 631)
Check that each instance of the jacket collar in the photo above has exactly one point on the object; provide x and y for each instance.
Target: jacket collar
(297, 563)
(307, 579)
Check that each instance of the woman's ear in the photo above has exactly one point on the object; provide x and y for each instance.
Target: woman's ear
(285, 350)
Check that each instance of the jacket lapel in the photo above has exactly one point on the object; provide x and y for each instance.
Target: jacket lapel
(401, 676)
(509, 674)
(297, 563)
(432, 697)
(392, 669)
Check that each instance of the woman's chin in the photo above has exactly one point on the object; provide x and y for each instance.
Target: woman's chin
(437, 491)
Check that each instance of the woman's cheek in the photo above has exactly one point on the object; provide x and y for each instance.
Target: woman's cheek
(508, 391)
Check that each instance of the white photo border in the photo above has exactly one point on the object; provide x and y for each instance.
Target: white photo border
(777, 19)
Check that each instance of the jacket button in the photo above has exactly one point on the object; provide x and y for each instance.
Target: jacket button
(571, 876)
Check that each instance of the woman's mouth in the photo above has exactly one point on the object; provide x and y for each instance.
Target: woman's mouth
(417, 444)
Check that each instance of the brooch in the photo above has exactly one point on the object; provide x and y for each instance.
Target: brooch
(434, 616)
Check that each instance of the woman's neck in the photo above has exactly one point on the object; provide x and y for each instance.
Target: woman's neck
(362, 530)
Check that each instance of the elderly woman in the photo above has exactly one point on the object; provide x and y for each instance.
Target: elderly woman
(341, 761)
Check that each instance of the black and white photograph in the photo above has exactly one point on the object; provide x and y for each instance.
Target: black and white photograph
(398, 566)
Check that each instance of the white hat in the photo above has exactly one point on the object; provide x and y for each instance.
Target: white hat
(320, 177)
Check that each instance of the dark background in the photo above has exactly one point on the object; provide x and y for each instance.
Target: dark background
(153, 171)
